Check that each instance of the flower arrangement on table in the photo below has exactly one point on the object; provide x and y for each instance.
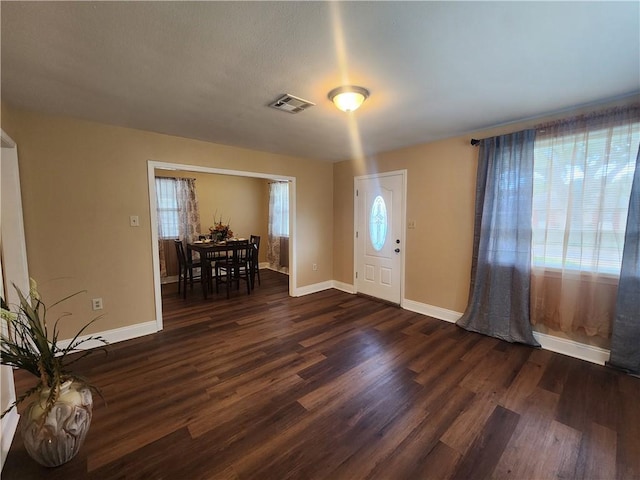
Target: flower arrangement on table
(220, 231)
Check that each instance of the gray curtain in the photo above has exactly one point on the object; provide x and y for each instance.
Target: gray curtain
(501, 269)
(625, 339)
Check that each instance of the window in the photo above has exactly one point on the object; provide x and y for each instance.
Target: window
(167, 206)
(378, 223)
(581, 189)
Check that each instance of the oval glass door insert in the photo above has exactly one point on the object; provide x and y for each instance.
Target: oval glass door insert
(378, 223)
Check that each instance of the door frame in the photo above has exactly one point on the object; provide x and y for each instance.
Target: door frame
(14, 268)
(152, 165)
(403, 225)
(13, 239)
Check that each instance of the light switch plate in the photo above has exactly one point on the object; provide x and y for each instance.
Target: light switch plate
(134, 221)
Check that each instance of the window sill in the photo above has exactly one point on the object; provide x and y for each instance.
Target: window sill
(606, 278)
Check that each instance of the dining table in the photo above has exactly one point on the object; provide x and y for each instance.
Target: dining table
(209, 251)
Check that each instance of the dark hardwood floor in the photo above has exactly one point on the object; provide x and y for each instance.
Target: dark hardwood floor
(336, 386)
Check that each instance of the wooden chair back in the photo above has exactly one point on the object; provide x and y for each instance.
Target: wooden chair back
(182, 258)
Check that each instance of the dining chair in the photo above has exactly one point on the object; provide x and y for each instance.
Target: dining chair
(185, 268)
(235, 266)
(212, 258)
(255, 261)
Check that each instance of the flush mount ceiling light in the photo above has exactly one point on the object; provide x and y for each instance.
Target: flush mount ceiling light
(349, 97)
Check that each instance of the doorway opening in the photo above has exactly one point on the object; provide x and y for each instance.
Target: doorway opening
(152, 166)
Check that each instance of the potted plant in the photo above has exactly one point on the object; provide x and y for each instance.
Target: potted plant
(54, 425)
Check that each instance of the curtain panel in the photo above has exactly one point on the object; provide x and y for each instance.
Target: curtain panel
(188, 211)
(625, 340)
(278, 233)
(500, 273)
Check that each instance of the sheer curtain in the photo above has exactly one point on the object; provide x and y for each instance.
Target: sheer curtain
(278, 223)
(177, 212)
(625, 341)
(500, 272)
(583, 173)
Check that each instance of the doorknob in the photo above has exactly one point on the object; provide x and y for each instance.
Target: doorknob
(397, 250)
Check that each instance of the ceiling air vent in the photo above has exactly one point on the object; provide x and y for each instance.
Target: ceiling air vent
(291, 104)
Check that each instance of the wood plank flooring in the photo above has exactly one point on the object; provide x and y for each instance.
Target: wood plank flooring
(335, 386)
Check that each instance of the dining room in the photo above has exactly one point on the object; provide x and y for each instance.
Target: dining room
(204, 217)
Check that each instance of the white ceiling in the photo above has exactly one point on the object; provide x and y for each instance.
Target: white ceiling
(208, 70)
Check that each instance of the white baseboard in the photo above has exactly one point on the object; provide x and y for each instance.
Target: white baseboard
(284, 270)
(9, 427)
(564, 346)
(431, 311)
(343, 287)
(319, 287)
(572, 348)
(10, 420)
(116, 335)
(313, 288)
(171, 279)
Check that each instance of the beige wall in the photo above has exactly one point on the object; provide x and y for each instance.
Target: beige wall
(244, 201)
(440, 198)
(82, 180)
(80, 183)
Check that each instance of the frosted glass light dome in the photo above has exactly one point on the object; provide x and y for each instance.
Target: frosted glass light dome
(348, 98)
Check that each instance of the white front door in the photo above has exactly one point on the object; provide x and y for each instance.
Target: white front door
(379, 242)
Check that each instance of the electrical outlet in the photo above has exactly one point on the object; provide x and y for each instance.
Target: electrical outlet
(411, 224)
(96, 303)
(134, 221)
(315, 267)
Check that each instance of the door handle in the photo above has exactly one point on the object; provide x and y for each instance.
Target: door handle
(397, 250)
